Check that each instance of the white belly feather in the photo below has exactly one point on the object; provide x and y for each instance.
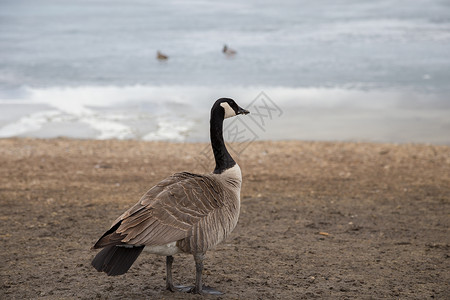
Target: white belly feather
(165, 250)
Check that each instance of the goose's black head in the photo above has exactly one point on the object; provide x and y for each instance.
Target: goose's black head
(226, 108)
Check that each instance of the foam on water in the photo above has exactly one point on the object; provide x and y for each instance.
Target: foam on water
(181, 113)
(109, 111)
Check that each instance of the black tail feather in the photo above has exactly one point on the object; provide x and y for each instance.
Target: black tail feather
(116, 260)
(110, 237)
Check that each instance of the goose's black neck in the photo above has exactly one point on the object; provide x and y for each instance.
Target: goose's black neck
(223, 159)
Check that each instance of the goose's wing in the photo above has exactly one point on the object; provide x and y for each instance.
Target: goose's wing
(152, 194)
(167, 212)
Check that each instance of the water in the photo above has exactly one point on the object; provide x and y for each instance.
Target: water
(337, 70)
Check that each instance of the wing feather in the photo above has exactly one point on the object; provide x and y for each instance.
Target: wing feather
(172, 210)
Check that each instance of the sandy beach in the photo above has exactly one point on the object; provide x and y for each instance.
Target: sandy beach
(318, 220)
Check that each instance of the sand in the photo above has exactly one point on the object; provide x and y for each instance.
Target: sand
(318, 220)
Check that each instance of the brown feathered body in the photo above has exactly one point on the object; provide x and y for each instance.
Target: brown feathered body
(184, 213)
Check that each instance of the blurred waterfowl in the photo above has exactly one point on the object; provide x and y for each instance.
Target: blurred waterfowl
(228, 51)
(161, 56)
(185, 212)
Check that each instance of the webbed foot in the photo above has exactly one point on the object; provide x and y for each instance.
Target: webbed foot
(191, 289)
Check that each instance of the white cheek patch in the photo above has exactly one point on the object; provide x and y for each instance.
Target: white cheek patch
(229, 112)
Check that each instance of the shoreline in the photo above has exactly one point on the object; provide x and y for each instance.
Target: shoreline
(176, 142)
(181, 113)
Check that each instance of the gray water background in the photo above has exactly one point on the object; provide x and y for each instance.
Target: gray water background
(338, 70)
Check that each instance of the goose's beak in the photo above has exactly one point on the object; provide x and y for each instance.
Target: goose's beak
(242, 111)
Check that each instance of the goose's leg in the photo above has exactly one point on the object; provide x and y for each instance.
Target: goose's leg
(198, 273)
(199, 288)
(169, 280)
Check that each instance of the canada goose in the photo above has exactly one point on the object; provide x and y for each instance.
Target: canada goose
(185, 212)
(161, 56)
(228, 51)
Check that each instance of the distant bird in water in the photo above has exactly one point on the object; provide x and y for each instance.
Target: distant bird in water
(228, 51)
(161, 56)
(185, 212)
